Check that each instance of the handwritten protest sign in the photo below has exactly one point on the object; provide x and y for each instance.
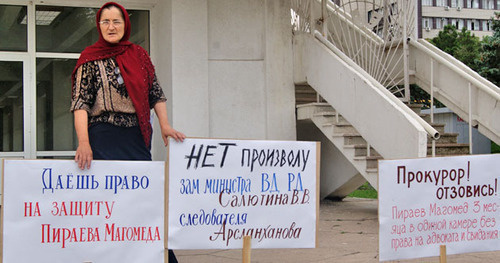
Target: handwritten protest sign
(428, 202)
(223, 190)
(54, 212)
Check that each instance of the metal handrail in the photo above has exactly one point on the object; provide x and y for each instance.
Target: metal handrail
(478, 84)
(456, 62)
(433, 133)
(331, 6)
(377, 54)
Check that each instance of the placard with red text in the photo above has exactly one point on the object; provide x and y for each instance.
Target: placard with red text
(428, 202)
(223, 190)
(55, 212)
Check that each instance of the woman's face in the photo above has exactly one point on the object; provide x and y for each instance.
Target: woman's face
(112, 24)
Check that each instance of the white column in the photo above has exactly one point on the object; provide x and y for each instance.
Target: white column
(179, 50)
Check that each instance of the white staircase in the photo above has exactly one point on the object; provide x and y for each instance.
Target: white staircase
(344, 136)
(365, 108)
(357, 67)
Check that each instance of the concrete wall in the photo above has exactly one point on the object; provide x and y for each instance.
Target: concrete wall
(226, 67)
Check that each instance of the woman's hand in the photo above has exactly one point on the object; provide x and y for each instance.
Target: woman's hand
(168, 131)
(83, 155)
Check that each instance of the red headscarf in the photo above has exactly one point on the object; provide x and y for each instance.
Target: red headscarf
(135, 67)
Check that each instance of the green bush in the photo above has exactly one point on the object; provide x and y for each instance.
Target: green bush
(495, 148)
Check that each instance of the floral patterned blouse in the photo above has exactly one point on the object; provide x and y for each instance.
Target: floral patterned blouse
(99, 89)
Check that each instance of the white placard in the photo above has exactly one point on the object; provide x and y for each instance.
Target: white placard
(428, 202)
(221, 190)
(55, 212)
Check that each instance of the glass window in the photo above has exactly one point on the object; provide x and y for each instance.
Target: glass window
(445, 21)
(441, 2)
(427, 2)
(491, 5)
(427, 22)
(11, 107)
(486, 25)
(457, 3)
(64, 29)
(13, 28)
(53, 94)
(71, 29)
(439, 23)
(472, 3)
(461, 24)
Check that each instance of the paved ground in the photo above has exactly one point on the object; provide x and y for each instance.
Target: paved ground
(348, 232)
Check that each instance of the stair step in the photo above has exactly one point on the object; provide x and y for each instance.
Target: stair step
(449, 149)
(426, 117)
(328, 113)
(360, 150)
(306, 111)
(371, 161)
(316, 105)
(350, 138)
(341, 127)
(305, 100)
(446, 138)
(417, 108)
(439, 127)
(305, 91)
(306, 94)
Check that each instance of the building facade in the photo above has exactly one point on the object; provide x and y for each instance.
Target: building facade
(224, 65)
(474, 15)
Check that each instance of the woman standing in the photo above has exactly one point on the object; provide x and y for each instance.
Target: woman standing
(114, 89)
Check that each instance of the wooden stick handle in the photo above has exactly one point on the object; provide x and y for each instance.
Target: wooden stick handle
(247, 248)
(442, 254)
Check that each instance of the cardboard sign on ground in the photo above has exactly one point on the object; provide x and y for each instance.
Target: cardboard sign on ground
(223, 190)
(428, 202)
(55, 212)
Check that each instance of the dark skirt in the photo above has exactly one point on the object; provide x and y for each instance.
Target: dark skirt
(110, 142)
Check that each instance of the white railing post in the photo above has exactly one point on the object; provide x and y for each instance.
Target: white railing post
(432, 91)
(432, 106)
(311, 19)
(470, 118)
(415, 17)
(323, 18)
(406, 52)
